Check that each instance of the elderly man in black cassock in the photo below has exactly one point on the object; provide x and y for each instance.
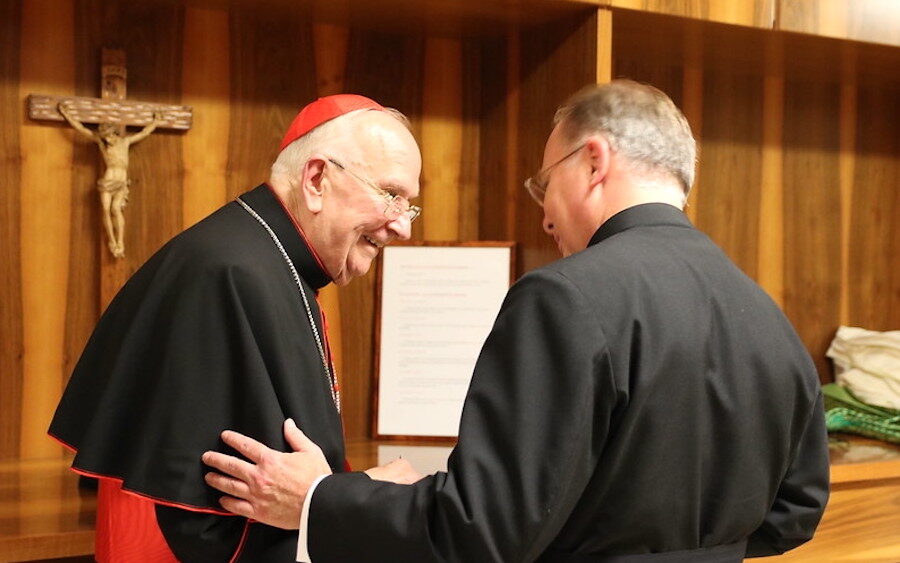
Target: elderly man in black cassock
(221, 328)
(639, 400)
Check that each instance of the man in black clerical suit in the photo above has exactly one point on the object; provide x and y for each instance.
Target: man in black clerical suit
(639, 400)
(221, 328)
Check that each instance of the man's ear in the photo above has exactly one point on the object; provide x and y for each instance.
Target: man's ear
(599, 153)
(312, 188)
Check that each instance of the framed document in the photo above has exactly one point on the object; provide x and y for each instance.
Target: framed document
(436, 305)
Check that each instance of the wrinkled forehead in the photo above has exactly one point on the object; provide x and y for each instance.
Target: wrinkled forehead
(385, 149)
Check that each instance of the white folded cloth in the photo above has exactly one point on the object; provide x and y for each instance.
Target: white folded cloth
(867, 363)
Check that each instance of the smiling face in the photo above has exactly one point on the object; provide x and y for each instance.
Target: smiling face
(351, 224)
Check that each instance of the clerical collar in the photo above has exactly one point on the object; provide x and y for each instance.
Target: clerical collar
(644, 215)
(264, 201)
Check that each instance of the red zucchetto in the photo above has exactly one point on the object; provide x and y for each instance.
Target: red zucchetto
(325, 109)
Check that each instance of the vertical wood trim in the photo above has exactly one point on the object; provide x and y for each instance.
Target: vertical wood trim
(513, 184)
(47, 67)
(330, 44)
(604, 46)
(442, 138)
(846, 167)
(692, 103)
(206, 88)
(771, 206)
(10, 249)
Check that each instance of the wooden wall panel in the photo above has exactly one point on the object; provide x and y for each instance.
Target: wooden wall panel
(770, 258)
(877, 21)
(730, 164)
(387, 68)
(812, 225)
(441, 138)
(272, 77)
(86, 231)
(757, 13)
(46, 67)
(11, 348)
(206, 88)
(497, 158)
(875, 228)
(557, 60)
(469, 166)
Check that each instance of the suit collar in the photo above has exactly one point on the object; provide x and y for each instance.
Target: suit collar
(644, 215)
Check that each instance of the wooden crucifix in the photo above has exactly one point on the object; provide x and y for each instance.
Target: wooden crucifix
(112, 113)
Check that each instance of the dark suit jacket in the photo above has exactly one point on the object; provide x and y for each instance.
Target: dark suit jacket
(641, 397)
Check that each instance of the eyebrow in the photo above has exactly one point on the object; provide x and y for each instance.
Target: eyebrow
(394, 189)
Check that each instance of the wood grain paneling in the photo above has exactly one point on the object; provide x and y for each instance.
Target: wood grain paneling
(877, 21)
(470, 150)
(46, 67)
(757, 13)
(847, 164)
(731, 163)
(11, 349)
(557, 60)
(812, 224)
(875, 229)
(206, 88)
(387, 68)
(770, 268)
(330, 44)
(272, 77)
(86, 239)
(441, 138)
(497, 185)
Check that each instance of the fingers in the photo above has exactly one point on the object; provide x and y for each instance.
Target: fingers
(296, 438)
(227, 485)
(248, 447)
(229, 465)
(238, 506)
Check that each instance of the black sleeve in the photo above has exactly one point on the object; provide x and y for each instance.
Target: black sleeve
(533, 423)
(802, 496)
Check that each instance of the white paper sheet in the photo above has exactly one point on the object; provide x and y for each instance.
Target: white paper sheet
(438, 306)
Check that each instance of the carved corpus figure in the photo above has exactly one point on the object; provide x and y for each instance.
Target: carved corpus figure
(113, 185)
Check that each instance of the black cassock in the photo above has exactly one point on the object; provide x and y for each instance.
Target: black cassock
(640, 400)
(211, 333)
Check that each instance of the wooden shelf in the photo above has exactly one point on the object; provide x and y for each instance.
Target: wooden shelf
(855, 459)
(43, 513)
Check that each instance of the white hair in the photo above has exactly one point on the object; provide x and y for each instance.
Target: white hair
(640, 122)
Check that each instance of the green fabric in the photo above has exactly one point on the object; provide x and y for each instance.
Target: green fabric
(846, 413)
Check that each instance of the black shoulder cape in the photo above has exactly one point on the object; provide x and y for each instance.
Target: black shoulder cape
(209, 334)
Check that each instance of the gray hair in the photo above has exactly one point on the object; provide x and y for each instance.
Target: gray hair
(640, 122)
(294, 156)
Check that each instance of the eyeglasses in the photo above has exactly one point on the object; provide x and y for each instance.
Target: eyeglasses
(537, 184)
(397, 205)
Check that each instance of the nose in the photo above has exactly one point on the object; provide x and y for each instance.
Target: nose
(401, 227)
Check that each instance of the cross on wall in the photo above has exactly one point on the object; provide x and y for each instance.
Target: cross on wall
(113, 114)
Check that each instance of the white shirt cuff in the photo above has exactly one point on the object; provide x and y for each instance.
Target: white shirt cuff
(302, 540)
